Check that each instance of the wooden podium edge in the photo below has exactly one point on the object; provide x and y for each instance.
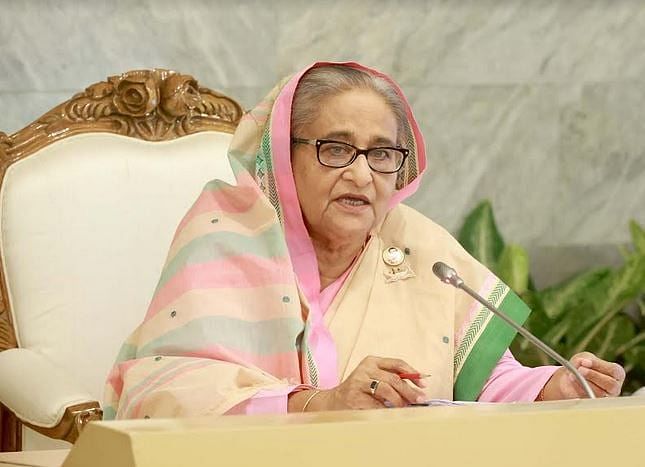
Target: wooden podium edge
(377, 438)
(114, 449)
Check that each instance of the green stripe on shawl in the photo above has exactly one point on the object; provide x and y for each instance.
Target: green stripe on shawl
(240, 162)
(221, 245)
(255, 338)
(109, 413)
(127, 352)
(489, 348)
(215, 185)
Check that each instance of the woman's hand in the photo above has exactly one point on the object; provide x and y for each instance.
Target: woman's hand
(605, 379)
(355, 391)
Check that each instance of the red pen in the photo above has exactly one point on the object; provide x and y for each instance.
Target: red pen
(412, 376)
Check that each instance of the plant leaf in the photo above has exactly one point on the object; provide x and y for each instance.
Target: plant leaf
(528, 354)
(619, 330)
(638, 236)
(571, 293)
(611, 296)
(513, 268)
(626, 284)
(480, 237)
(556, 335)
(639, 339)
(538, 322)
(637, 356)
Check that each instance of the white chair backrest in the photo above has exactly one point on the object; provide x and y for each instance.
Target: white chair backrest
(86, 224)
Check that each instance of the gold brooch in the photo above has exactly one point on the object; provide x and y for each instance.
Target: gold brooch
(397, 267)
(392, 256)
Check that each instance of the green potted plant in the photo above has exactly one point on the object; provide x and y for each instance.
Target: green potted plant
(601, 310)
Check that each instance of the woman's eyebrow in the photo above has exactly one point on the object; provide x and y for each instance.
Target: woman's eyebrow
(343, 135)
(351, 136)
(382, 140)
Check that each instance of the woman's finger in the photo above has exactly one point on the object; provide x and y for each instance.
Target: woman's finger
(396, 365)
(589, 360)
(579, 390)
(606, 383)
(613, 370)
(355, 391)
(409, 393)
(385, 392)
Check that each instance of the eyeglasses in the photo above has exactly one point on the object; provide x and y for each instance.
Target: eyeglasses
(335, 154)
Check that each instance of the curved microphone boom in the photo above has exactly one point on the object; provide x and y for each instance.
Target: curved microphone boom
(449, 276)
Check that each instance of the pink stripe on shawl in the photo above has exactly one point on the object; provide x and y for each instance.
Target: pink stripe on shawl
(199, 302)
(115, 378)
(303, 256)
(237, 271)
(328, 293)
(265, 401)
(300, 247)
(255, 117)
(164, 379)
(220, 200)
(124, 403)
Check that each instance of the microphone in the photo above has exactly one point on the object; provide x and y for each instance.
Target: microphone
(449, 276)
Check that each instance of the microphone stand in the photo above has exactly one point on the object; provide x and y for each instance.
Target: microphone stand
(449, 276)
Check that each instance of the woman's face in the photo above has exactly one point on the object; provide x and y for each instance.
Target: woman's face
(341, 205)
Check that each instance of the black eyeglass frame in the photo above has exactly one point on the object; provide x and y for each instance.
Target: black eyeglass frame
(357, 152)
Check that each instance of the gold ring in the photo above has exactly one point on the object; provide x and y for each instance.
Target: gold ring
(373, 385)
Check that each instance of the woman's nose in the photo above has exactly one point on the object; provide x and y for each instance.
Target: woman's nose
(359, 171)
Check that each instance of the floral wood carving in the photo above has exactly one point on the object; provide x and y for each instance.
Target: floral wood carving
(154, 105)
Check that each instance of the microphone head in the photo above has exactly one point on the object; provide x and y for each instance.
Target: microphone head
(446, 274)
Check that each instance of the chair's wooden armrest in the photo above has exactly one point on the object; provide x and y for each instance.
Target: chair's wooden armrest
(42, 396)
(74, 419)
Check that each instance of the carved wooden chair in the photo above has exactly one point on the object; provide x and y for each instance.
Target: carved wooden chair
(90, 196)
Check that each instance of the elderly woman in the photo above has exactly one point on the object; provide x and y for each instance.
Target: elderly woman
(308, 285)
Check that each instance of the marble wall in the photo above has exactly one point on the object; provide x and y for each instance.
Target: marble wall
(538, 105)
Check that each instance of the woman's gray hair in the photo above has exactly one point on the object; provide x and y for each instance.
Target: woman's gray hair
(322, 82)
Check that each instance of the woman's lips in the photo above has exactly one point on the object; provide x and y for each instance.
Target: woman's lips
(353, 203)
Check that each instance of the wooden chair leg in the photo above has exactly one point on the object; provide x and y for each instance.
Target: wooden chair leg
(10, 431)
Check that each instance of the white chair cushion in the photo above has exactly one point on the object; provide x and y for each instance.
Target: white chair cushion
(86, 225)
